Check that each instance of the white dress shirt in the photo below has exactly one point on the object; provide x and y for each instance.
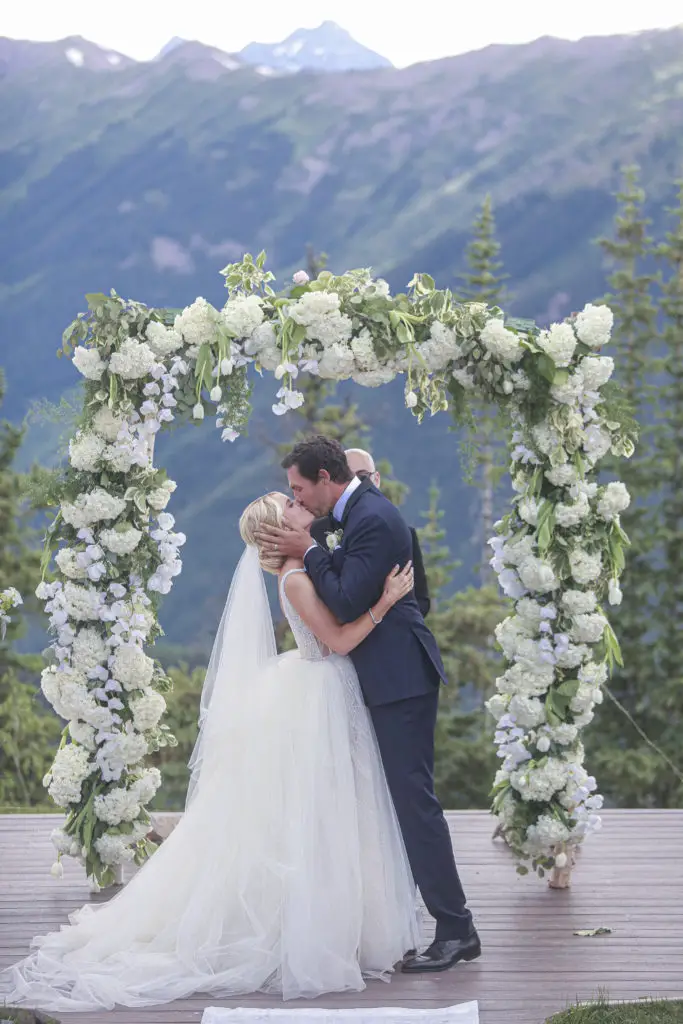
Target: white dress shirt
(340, 505)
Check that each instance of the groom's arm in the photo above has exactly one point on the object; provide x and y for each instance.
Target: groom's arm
(353, 586)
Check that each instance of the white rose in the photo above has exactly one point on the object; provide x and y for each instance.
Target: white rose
(301, 277)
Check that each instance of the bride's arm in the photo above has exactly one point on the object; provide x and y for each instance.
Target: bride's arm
(321, 621)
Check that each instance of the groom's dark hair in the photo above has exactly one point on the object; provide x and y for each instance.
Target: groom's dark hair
(316, 453)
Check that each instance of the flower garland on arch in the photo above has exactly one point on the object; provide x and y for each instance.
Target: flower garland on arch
(116, 549)
(9, 599)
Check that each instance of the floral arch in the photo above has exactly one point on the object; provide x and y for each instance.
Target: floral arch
(558, 553)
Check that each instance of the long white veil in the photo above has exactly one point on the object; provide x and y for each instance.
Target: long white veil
(244, 642)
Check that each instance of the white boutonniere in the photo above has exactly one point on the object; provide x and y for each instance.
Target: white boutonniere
(333, 540)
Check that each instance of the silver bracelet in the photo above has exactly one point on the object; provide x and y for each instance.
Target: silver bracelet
(376, 621)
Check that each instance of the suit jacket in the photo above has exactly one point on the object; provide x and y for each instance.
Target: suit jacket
(399, 658)
(321, 527)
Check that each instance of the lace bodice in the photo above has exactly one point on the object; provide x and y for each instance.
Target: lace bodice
(308, 646)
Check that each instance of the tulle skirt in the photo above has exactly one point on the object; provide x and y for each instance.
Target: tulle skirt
(287, 874)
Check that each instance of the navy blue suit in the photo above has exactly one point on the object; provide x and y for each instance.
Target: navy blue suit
(400, 669)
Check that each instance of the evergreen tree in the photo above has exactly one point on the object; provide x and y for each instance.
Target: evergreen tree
(649, 686)
(463, 625)
(29, 731)
(483, 281)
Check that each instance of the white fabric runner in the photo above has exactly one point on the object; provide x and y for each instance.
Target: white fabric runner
(465, 1013)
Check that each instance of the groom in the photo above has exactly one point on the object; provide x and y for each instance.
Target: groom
(398, 665)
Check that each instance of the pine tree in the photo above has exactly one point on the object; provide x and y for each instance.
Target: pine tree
(28, 730)
(463, 625)
(484, 282)
(649, 685)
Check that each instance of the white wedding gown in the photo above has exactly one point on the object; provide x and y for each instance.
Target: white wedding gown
(287, 873)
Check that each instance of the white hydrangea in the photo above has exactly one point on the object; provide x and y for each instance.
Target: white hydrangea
(584, 698)
(85, 452)
(440, 348)
(262, 338)
(571, 655)
(515, 552)
(613, 500)
(319, 312)
(69, 770)
(82, 603)
(464, 378)
(61, 841)
(588, 628)
(162, 340)
(374, 378)
(88, 362)
(540, 784)
(95, 507)
(562, 476)
(596, 442)
(364, 351)
(147, 710)
(121, 541)
(546, 438)
(198, 323)
(120, 457)
(528, 711)
(596, 371)
(526, 680)
(537, 575)
(546, 832)
(594, 673)
(570, 391)
(131, 667)
(82, 733)
(159, 498)
(336, 363)
(579, 602)
(118, 805)
(113, 850)
(585, 567)
(500, 342)
(146, 785)
(67, 562)
(594, 325)
(107, 424)
(567, 516)
(528, 509)
(88, 650)
(559, 343)
(243, 314)
(133, 360)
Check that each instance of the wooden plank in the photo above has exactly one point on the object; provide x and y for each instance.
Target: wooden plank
(627, 879)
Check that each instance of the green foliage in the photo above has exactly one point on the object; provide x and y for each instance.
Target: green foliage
(182, 718)
(463, 624)
(643, 1012)
(28, 731)
(648, 352)
(484, 282)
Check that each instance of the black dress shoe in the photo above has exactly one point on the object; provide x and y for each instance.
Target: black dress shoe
(444, 953)
(409, 954)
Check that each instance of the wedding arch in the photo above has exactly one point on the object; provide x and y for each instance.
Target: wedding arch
(558, 553)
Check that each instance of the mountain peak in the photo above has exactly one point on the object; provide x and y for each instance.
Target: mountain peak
(329, 47)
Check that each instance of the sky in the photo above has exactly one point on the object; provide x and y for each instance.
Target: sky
(425, 31)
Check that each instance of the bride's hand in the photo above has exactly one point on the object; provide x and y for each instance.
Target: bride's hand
(398, 584)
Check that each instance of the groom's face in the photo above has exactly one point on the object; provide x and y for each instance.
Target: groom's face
(315, 495)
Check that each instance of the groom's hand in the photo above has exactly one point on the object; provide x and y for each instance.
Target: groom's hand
(291, 543)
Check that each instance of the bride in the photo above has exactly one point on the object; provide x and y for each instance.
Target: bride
(287, 873)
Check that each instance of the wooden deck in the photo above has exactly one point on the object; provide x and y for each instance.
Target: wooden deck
(629, 878)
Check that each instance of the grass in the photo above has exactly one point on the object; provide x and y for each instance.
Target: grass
(25, 1016)
(650, 1012)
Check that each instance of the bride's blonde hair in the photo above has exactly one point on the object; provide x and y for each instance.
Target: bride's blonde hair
(265, 511)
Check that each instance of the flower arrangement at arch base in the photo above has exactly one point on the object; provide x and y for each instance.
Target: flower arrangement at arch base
(559, 553)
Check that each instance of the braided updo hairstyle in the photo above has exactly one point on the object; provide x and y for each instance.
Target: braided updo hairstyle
(265, 511)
